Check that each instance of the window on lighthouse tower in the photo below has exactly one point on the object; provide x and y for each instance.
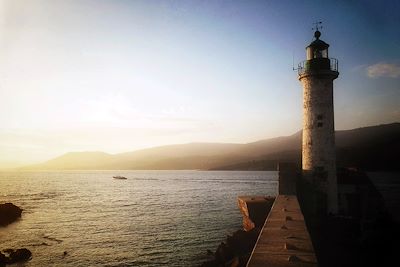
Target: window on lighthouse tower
(317, 54)
(319, 120)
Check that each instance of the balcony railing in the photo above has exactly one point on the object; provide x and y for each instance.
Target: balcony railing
(309, 65)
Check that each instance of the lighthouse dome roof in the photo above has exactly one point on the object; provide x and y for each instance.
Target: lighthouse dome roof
(317, 43)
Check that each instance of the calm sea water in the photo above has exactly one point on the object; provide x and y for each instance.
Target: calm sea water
(155, 218)
(388, 184)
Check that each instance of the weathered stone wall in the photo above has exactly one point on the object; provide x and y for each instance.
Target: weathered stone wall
(288, 174)
(255, 210)
(318, 147)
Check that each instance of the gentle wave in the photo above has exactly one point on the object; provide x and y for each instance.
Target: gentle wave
(166, 218)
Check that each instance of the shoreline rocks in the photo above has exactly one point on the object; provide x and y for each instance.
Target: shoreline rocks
(9, 213)
(236, 250)
(14, 256)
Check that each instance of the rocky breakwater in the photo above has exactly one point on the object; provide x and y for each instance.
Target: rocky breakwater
(235, 251)
(10, 213)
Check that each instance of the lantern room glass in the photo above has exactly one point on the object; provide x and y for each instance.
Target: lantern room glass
(313, 52)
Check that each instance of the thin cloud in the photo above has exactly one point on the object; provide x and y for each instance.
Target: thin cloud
(383, 70)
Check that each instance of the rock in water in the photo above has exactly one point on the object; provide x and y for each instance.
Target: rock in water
(3, 260)
(14, 256)
(22, 254)
(9, 213)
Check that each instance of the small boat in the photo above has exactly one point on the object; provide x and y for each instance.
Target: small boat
(120, 177)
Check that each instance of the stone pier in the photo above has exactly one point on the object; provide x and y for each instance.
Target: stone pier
(284, 240)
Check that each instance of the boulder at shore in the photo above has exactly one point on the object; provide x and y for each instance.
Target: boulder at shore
(9, 213)
(14, 256)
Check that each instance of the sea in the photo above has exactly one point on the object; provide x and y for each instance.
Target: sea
(388, 184)
(154, 218)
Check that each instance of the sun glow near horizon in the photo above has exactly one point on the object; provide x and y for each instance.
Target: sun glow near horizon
(118, 76)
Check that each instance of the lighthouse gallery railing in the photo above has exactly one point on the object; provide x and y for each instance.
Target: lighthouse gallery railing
(305, 66)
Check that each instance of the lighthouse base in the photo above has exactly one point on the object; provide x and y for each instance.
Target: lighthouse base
(314, 198)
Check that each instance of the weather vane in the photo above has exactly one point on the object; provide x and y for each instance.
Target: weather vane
(317, 25)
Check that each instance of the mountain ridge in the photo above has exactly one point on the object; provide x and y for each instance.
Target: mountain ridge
(263, 154)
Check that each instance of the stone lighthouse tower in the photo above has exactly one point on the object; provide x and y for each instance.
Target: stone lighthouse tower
(318, 146)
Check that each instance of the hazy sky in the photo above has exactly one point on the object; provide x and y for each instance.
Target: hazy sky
(121, 75)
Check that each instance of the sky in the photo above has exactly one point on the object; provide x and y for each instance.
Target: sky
(117, 76)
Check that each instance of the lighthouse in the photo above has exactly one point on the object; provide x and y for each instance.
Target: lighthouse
(317, 74)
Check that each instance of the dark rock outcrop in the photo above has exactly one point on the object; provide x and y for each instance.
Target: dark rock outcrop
(9, 213)
(22, 254)
(237, 248)
(3, 259)
(14, 256)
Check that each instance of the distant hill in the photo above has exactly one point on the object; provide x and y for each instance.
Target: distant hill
(369, 148)
(76, 160)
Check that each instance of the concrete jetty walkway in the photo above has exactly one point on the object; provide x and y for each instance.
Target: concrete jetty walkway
(284, 239)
